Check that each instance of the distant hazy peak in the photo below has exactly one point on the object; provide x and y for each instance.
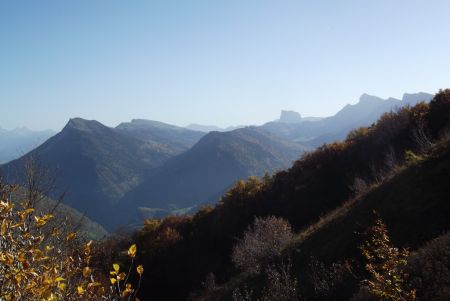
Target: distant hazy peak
(149, 122)
(25, 131)
(145, 123)
(417, 97)
(83, 124)
(290, 117)
(407, 97)
(366, 98)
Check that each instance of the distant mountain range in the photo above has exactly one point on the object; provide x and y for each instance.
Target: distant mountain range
(98, 164)
(148, 168)
(364, 113)
(17, 142)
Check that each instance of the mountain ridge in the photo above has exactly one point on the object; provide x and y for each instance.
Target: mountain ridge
(368, 109)
(97, 163)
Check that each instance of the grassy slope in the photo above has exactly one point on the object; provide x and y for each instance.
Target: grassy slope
(414, 203)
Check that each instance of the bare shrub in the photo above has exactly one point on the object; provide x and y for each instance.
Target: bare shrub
(421, 136)
(326, 280)
(364, 294)
(242, 295)
(210, 283)
(359, 186)
(390, 159)
(378, 173)
(262, 243)
(280, 284)
(429, 269)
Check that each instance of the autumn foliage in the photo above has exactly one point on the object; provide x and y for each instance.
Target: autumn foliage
(41, 261)
(386, 266)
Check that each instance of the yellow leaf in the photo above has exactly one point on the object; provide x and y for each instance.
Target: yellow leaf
(55, 231)
(140, 269)
(93, 284)
(22, 257)
(71, 236)
(17, 225)
(116, 267)
(87, 248)
(4, 227)
(128, 290)
(41, 221)
(113, 280)
(18, 278)
(28, 211)
(80, 290)
(132, 251)
(101, 290)
(86, 272)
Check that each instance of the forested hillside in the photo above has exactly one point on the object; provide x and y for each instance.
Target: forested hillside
(395, 170)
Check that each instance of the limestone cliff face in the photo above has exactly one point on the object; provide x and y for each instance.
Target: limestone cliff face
(290, 117)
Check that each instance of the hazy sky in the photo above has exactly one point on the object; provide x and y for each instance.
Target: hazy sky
(213, 62)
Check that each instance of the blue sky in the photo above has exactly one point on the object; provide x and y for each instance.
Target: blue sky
(212, 62)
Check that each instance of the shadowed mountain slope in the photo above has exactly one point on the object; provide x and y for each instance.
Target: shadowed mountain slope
(96, 164)
(211, 166)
